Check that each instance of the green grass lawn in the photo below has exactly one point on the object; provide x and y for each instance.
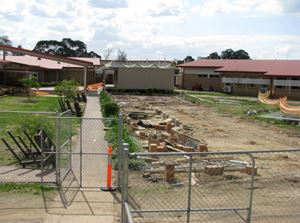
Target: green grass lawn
(32, 188)
(14, 103)
(18, 121)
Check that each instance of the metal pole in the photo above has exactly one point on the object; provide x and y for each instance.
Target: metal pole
(251, 190)
(70, 140)
(120, 158)
(128, 213)
(124, 182)
(42, 162)
(189, 190)
(84, 78)
(57, 124)
(80, 174)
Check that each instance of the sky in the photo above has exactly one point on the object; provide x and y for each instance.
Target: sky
(159, 29)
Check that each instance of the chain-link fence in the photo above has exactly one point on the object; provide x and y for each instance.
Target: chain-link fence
(253, 186)
(20, 144)
(81, 153)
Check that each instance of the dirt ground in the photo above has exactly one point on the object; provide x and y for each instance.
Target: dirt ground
(221, 132)
(276, 185)
(21, 208)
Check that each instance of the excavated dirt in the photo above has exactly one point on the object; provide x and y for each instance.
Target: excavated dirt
(276, 185)
(221, 132)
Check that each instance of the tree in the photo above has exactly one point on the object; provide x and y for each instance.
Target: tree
(4, 40)
(67, 89)
(65, 47)
(122, 56)
(230, 54)
(179, 62)
(241, 54)
(188, 59)
(30, 82)
(227, 54)
(107, 53)
(213, 55)
(18, 54)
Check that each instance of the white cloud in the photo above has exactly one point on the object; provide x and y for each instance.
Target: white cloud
(213, 7)
(291, 6)
(141, 26)
(108, 3)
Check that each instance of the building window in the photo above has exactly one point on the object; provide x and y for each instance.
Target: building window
(295, 88)
(280, 87)
(203, 75)
(214, 76)
(253, 85)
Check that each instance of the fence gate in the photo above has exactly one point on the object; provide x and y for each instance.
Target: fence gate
(81, 153)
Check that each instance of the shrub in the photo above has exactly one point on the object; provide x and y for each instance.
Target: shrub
(136, 164)
(67, 89)
(28, 83)
(110, 109)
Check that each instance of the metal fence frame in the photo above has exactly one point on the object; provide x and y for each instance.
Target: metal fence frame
(126, 214)
(59, 179)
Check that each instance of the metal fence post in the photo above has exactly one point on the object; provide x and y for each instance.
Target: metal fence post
(189, 190)
(57, 125)
(80, 166)
(124, 182)
(42, 159)
(70, 139)
(120, 153)
(249, 215)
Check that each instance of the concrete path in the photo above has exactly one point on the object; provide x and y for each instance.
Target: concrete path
(89, 205)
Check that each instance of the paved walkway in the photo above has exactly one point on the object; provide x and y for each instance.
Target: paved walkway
(90, 205)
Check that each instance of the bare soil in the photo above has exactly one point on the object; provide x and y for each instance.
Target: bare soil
(21, 208)
(221, 132)
(276, 185)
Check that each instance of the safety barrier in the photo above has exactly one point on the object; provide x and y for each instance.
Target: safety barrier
(83, 157)
(237, 186)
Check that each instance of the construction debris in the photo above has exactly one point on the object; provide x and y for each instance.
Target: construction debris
(161, 132)
(214, 170)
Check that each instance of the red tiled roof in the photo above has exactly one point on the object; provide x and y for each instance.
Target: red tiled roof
(45, 55)
(48, 64)
(205, 63)
(3, 61)
(94, 60)
(267, 67)
(43, 63)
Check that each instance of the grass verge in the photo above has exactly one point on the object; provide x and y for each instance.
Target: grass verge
(110, 110)
(240, 109)
(32, 188)
(15, 122)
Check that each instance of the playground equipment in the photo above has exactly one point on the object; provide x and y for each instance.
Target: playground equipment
(282, 103)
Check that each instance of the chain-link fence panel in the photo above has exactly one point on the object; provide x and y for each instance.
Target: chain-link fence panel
(20, 143)
(157, 187)
(221, 188)
(277, 187)
(254, 186)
